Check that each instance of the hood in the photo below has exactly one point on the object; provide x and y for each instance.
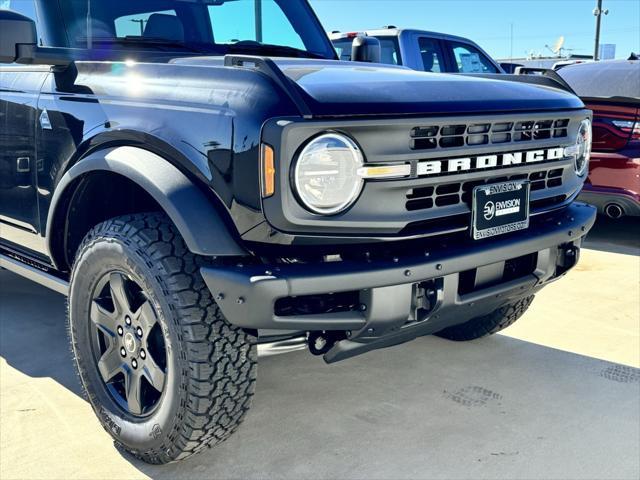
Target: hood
(334, 88)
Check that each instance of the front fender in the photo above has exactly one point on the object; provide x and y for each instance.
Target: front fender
(192, 212)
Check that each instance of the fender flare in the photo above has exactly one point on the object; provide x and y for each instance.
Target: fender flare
(194, 215)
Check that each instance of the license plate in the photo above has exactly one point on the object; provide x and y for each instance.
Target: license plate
(500, 208)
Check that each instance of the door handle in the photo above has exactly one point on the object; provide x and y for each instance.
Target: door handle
(23, 165)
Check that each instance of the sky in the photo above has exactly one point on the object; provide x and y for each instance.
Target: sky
(536, 23)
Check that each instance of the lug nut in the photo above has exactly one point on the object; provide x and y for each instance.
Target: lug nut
(143, 354)
(123, 352)
(134, 363)
(139, 331)
(120, 330)
(127, 320)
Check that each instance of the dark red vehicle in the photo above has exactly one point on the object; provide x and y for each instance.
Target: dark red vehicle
(612, 90)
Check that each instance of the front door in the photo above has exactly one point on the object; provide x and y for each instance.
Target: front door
(19, 219)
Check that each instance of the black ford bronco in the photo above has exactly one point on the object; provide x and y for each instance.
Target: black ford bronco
(201, 176)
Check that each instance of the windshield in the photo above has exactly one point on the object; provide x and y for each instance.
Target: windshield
(270, 27)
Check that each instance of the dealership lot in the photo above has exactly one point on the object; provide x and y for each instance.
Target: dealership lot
(555, 396)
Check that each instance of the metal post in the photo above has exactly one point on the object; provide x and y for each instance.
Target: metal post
(598, 12)
(89, 26)
(258, 12)
(511, 51)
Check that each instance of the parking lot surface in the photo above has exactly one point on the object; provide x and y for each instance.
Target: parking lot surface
(554, 396)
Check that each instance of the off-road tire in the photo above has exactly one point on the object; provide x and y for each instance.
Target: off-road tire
(488, 324)
(211, 365)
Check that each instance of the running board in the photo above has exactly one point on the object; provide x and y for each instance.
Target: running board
(35, 275)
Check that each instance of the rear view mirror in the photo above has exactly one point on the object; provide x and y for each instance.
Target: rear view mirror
(16, 30)
(366, 49)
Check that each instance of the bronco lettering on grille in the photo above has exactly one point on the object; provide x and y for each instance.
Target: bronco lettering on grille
(435, 167)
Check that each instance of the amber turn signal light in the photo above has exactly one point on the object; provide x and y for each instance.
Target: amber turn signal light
(268, 171)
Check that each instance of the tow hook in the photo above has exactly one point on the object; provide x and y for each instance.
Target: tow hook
(568, 259)
(321, 342)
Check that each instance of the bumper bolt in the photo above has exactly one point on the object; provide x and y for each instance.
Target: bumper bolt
(240, 300)
(134, 363)
(371, 331)
(120, 330)
(396, 259)
(220, 297)
(439, 266)
(143, 354)
(268, 272)
(139, 331)
(123, 352)
(127, 320)
(407, 273)
(362, 307)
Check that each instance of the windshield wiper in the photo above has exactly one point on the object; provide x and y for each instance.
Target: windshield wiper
(267, 49)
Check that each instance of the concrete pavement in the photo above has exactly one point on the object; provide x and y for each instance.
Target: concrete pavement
(556, 396)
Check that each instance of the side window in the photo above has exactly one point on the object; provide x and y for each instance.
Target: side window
(234, 22)
(134, 25)
(431, 53)
(470, 60)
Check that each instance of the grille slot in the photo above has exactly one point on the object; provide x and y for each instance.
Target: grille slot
(425, 198)
(430, 137)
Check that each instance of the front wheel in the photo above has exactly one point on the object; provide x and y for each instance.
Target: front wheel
(487, 324)
(166, 374)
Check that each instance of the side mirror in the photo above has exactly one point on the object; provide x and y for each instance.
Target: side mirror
(366, 49)
(16, 30)
(19, 43)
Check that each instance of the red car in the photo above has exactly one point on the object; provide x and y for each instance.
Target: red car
(612, 90)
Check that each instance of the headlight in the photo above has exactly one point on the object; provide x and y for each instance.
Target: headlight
(581, 151)
(326, 174)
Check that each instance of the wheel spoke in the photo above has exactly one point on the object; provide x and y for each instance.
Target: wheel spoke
(146, 317)
(154, 374)
(119, 293)
(103, 319)
(134, 391)
(110, 364)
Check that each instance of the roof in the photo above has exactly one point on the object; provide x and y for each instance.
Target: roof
(605, 79)
(396, 32)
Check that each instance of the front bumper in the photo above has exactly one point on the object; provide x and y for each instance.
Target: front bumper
(388, 313)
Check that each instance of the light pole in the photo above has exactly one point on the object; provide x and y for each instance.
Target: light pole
(598, 12)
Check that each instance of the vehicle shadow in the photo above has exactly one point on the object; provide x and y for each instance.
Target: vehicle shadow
(615, 236)
(497, 407)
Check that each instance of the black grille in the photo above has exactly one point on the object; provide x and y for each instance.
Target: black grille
(424, 198)
(473, 134)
